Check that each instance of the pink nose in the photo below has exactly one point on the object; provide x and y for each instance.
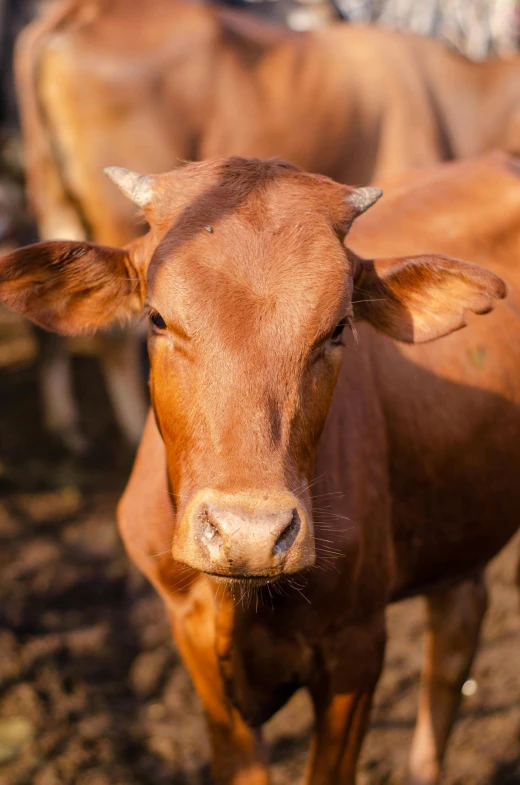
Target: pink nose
(254, 543)
(245, 536)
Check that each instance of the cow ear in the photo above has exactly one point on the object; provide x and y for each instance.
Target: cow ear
(70, 287)
(419, 298)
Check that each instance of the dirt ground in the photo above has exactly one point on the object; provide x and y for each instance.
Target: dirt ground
(92, 689)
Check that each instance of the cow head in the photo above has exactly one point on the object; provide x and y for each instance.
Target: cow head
(248, 287)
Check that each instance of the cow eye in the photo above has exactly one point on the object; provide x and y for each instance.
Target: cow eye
(157, 320)
(338, 331)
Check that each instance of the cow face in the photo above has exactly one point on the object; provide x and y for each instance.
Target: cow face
(248, 287)
(247, 300)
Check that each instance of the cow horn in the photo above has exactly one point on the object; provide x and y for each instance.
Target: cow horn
(138, 187)
(363, 198)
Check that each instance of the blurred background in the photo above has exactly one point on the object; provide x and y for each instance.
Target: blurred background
(92, 690)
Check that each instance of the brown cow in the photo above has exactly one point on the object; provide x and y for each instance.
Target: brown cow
(146, 85)
(292, 481)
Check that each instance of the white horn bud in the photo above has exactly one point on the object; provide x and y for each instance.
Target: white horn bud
(138, 187)
(363, 198)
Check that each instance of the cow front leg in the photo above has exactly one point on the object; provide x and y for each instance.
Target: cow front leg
(340, 729)
(238, 753)
(454, 618)
(342, 714)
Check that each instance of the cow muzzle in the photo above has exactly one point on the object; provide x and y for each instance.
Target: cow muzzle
(255, 535)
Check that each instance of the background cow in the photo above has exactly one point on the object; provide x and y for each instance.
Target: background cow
(183, 81)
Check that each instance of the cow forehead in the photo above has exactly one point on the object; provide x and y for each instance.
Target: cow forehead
(255, 271)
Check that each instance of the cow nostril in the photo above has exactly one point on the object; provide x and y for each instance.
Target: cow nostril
(288, 536)
(208, 530)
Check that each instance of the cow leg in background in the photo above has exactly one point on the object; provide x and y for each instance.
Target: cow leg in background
(119, 353)
(238, 753)
(454, 618)
(121, 361)
(60, 413)
(517, 578)
(342, 717)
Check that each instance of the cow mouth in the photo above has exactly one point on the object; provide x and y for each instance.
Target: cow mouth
(242, 580)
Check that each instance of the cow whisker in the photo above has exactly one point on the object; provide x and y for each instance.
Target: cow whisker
(308, 485)
(371, 300)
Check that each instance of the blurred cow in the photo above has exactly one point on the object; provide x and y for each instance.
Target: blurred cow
(149, 86)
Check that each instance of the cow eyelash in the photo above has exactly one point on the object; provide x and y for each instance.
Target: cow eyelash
(338, 331)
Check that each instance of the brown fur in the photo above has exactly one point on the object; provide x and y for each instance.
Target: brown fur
(401, 462)
(119, 82)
